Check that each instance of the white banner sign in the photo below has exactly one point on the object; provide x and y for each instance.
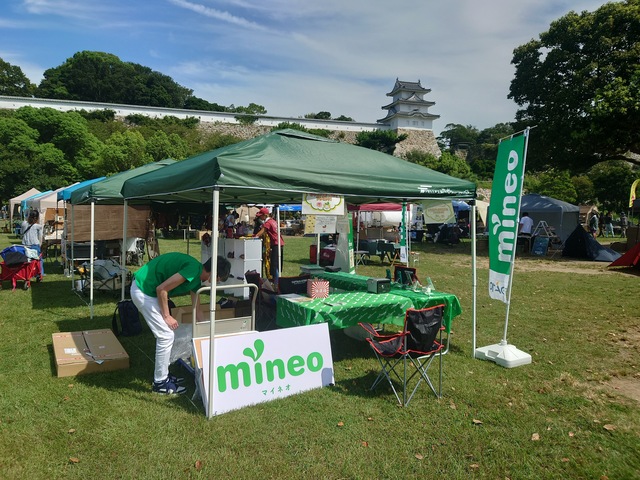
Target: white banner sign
(322, 204)
(438, 211)
(263, 366)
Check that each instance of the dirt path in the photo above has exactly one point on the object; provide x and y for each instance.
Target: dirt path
(530, 264)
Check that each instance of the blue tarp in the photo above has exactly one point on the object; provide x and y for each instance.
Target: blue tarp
(459, 206)
(23, 204)
(65, 194)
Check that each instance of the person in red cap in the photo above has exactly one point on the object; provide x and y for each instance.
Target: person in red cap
(273, 243)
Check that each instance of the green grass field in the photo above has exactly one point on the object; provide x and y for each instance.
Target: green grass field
(572, 413)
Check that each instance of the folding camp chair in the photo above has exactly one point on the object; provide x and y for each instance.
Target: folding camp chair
(108, 275)
(388, 249)
(372, 250)
(415, 345)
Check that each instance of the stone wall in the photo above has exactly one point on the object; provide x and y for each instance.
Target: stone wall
(422, 140)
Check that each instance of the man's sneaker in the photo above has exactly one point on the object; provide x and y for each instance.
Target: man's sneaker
(176, 380)
(167, 387)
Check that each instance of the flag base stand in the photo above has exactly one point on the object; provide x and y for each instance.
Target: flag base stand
(503, 354)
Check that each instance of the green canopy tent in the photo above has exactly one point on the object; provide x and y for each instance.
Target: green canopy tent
(107, 192)
(278, 168)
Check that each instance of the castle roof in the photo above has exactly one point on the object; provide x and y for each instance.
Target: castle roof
(416, 114)
(413, 100)
(408, 86)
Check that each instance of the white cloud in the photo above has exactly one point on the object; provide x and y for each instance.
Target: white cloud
(296, 56)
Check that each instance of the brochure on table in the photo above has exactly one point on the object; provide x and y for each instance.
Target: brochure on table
(258, 367)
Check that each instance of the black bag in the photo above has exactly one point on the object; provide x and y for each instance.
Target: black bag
(129, 319)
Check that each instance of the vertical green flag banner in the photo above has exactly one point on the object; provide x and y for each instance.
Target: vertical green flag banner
(504, 209)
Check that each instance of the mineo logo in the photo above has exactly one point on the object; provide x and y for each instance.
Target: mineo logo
(259, 372)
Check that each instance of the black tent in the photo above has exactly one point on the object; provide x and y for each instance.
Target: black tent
(581, 244)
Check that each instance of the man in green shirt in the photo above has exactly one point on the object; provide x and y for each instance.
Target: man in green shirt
(165, 276)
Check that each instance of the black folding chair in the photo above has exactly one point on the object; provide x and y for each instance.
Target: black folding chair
(415, 346)
(265, 303)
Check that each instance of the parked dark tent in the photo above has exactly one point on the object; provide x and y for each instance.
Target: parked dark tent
(560, 215)
(581, 244)
(629, 259)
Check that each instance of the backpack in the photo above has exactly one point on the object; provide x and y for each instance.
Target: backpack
(129, 319)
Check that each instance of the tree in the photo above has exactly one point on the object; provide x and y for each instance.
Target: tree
(103, 77)
(195, 103)
(447, 163)
(579, 83)
(611, 184)
(124, 151)
(319, 115)
(250, 113)
(68, 132)
(584, 189)
(14, 82)
(456, 136)
(27, 163)
(488, 140)
(382, 140)
(552, 183)
(161, 146)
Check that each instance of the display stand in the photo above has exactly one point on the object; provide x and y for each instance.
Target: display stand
(543, 230)
(545, 239)
(244, 254)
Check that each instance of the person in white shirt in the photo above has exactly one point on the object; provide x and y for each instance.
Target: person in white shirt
(526, 225)
(32, 235)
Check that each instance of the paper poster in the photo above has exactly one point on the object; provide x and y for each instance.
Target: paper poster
(325, 224)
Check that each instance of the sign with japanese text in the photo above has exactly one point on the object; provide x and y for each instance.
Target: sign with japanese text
(258, 367)
(504, 209)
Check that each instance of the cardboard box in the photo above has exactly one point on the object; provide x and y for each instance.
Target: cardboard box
(228, 320)
(317, 288)
(90, 351)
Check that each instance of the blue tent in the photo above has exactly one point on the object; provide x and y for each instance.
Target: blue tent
(290, 208)
(65, 194)
(23, 204)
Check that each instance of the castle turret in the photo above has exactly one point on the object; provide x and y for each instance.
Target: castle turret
(409, 109)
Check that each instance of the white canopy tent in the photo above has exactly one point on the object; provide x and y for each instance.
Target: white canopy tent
(17, 201)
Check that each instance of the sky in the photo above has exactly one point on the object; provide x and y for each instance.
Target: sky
(296, 57)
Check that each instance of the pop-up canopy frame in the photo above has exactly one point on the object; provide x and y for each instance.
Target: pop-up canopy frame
(279, 168)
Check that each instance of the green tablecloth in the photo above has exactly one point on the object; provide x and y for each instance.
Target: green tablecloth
(344, 281)
(352, 282)
(341, 310)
